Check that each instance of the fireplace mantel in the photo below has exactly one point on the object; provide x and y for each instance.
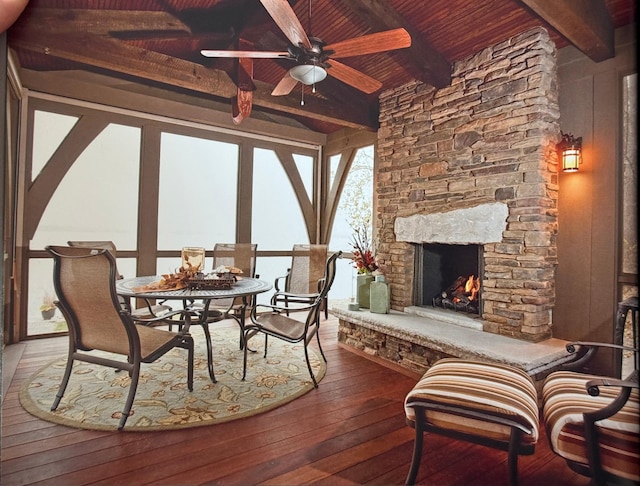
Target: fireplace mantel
(477, 225)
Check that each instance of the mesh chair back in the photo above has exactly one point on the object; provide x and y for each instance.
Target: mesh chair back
(106, 245)
(329, 275)
(240, 255)
(307, 267)
(84, 279)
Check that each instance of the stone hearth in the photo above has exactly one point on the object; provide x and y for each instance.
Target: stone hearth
(416, 341)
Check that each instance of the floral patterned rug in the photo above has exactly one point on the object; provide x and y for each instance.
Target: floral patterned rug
(96, 394)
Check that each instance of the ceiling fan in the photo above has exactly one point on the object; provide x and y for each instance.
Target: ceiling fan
(314, 59)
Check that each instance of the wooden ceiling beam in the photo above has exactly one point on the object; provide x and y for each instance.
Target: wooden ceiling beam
(429, 65)
(119, 57)
(587, 24)
(114, 55)
(53, 20)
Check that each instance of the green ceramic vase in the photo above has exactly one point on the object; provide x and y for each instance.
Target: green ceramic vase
(364, 281)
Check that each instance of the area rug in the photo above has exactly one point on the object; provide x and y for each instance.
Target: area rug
(95, 396)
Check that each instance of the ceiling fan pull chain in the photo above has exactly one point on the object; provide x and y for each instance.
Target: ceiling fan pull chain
(301, 94)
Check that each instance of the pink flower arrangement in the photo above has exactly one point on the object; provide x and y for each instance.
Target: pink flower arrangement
(363, 259)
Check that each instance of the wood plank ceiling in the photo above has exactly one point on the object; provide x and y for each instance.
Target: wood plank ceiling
(158, 43)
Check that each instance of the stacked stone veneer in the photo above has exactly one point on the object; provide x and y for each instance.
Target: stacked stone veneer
(488, 137)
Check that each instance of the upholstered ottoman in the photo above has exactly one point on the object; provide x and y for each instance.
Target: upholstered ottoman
(489, 404)
(598, 435)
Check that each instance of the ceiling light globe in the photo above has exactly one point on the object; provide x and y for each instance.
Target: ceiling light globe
(308, 73)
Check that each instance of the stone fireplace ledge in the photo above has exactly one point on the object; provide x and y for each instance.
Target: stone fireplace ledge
(475, 225)
(445, 338)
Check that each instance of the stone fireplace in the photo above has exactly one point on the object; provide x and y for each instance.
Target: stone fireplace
(475, 163)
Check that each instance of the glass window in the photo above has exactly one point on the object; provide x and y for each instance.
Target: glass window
(275, 204)
(304, 163)
(356, 201)
(49, 129)
(96, 200)
(354, 211)
(198, 192)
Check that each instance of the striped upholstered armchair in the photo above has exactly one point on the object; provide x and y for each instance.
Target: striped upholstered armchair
(490, 404)
(593, 422)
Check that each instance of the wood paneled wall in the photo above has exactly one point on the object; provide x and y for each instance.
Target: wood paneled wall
(588, 232)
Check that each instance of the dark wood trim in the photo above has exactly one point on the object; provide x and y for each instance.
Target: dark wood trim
(148, 199)
(421, 58)
(587, 25)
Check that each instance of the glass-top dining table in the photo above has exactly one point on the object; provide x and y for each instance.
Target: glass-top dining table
(245, 288)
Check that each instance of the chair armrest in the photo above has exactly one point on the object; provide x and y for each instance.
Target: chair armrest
(282, 308)
(593, 386)
(163, 317)
(590, 344)
(278, 279)
(149, 305)
(585, 350)
(613, 407)
(277, 309)
(292, 295)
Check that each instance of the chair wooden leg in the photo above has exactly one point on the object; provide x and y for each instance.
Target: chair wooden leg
(417, 449)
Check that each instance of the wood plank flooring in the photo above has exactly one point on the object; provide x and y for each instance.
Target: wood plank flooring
(350, 430)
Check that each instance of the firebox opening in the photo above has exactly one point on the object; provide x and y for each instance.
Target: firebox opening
(449, 276)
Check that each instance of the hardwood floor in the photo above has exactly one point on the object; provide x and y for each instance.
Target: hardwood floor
(350, 430)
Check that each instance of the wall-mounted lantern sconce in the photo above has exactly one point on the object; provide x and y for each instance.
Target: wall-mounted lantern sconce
(570, 149)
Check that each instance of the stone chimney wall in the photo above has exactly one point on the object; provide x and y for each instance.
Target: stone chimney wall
(488, 137)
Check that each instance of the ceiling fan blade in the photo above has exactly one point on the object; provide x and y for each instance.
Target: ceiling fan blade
(284, 16)
(370, 44)
(251, 54)
(354, 78)
(285, 86)
(241, 108)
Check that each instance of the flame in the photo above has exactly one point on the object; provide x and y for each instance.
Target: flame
(472, 286)
(470, 289)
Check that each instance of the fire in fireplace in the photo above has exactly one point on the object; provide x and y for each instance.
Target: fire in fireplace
(463, 295)
(449, 276)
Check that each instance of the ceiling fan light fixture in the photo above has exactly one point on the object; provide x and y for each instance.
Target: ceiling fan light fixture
(308, 73)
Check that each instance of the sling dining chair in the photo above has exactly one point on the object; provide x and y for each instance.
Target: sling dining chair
(150, 310)
(303, 280)
(84, 280)
(277, 323)
(239, 255)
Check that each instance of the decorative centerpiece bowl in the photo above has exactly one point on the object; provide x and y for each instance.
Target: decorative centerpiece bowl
(222, 277)
(211, 281)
